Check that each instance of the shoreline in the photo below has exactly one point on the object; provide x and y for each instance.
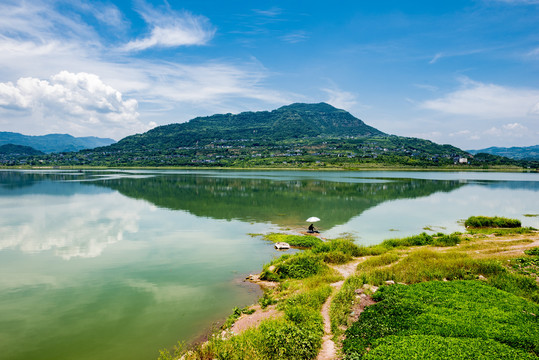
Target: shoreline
(489, 246)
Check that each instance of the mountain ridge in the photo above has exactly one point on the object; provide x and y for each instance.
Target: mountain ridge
(54, 143)
(514, 152)
(290, 121)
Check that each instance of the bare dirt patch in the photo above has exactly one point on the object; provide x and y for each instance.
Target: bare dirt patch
(253, 320)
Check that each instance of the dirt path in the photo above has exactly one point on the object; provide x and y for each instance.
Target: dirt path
(329, 351)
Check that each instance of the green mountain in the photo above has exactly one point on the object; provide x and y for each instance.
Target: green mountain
(54, 143)
(295, 136)
(18, 150)
(294, 121)
(518, 153)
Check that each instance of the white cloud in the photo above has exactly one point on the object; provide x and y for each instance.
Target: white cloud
(486, 101)
(436, 57)
(79, 103)
(172, 29)
(86, 232)
(295, 37)
(341, 99)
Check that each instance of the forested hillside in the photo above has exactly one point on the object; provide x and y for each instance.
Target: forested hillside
(297, 135)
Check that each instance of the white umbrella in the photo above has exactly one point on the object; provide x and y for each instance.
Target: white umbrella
(313, 219)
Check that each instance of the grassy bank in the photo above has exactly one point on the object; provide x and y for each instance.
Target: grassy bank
(442, 296)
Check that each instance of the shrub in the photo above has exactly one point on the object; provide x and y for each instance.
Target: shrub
(532, 252)
(297, 266)
(446, 240)
(266, 300)
(283, 339)
(491, 222)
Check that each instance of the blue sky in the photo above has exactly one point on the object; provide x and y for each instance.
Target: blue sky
(459, 72)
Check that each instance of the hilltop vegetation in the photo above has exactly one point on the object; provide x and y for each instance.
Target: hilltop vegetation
(298, 135)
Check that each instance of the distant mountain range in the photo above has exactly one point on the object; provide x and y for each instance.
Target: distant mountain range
(518, 153)
(54, 143)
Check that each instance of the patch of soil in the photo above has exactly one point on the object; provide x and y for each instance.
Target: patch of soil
(253, 320)
(361, 301)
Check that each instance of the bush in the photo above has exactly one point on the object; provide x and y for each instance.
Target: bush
(464, 309)
(491, 222)
(297, 266)
(446, 240)
(283, 339)
(532, 252)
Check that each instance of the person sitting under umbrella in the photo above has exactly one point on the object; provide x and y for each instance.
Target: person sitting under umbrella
(311, 227)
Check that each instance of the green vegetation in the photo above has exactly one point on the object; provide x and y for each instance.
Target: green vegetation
(236, 313)
(456, 309)
(461, 302)
(433, 347)
(304, 280)
(491, 222)
(297, 136)
(300, 241)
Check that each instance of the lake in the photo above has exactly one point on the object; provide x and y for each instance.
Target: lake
(119, 264)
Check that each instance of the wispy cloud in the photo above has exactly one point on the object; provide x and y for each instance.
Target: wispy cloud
(436, 58)
(486, 101)
(272, 12)
(341, 99)
(171, 28)
(295, 37)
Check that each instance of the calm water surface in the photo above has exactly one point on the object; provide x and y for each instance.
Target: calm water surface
(118, 264)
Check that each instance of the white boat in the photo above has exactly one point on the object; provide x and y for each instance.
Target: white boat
(282, 245)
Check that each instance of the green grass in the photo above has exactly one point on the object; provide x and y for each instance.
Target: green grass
(501, 231)
(427, 265)
(432, 347)
(300, 241)
(423, 239)
(340, 306)
(491, 222)
(457, 309)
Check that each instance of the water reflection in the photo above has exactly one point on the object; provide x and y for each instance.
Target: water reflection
(117, 264)
(281, 202)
